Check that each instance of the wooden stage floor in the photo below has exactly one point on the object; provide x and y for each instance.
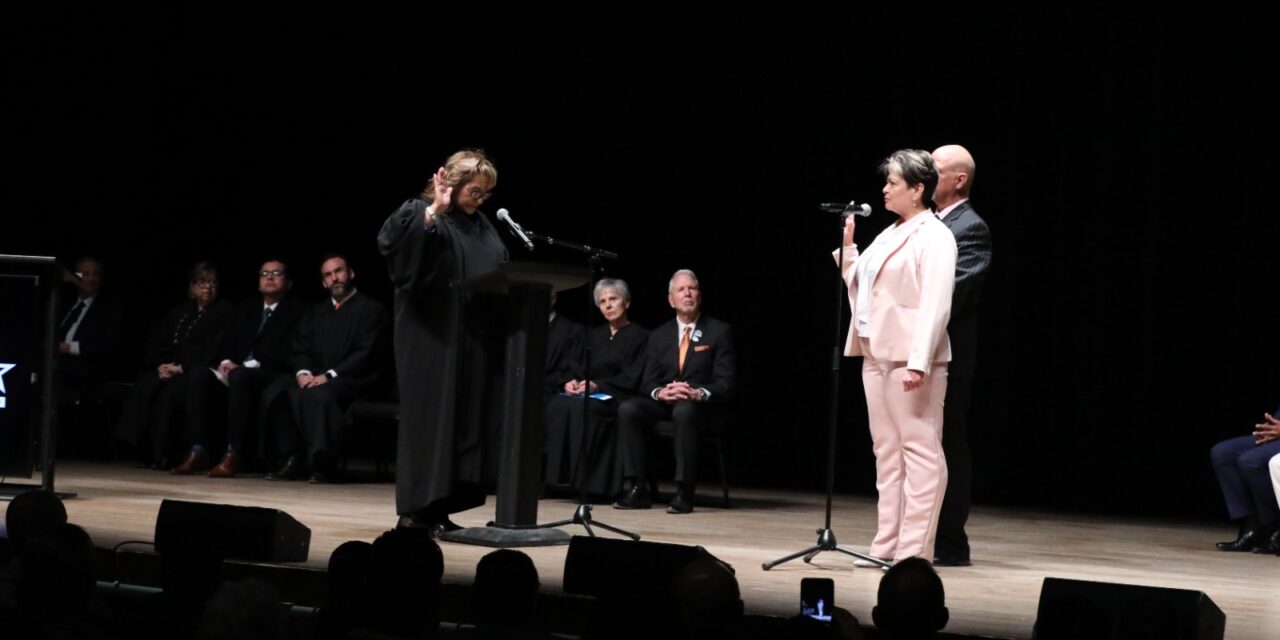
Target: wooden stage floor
(1013, 550)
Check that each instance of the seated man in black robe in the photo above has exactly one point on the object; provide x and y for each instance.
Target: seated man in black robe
(255, 353)
(336, 360)
(688, 377)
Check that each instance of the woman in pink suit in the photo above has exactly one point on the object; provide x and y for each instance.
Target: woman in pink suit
(900, 294)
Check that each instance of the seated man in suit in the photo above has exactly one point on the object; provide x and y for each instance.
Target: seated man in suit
(255, 352)
(336, 360)
(688, 377)
(1242, 467)
(88, 339)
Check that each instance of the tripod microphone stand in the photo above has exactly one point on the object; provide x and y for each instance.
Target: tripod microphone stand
(826, 536)
(582, 513)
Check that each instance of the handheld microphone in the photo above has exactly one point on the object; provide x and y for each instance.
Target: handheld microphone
(505, 216)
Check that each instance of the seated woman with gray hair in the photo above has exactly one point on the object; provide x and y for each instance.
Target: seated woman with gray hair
(617, 363)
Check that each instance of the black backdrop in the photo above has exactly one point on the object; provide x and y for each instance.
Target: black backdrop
(1123, 161)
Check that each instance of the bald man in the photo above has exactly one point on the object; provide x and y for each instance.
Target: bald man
(973, 242)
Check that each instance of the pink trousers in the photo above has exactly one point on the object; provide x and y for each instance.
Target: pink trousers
(911, 470)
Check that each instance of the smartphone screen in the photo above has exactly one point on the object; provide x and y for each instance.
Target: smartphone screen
(817, 597)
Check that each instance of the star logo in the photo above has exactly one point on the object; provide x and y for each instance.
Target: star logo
(4, 368)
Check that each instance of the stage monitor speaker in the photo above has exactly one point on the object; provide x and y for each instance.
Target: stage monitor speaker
(246, 533)
(1125, 610)
(604, 566)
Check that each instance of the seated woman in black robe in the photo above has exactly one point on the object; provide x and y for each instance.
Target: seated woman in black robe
(182, 341)
(617, 362)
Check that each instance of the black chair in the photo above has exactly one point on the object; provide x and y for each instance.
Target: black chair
(383, 421)
(373, 426)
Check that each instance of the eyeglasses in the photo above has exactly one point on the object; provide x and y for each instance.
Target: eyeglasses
(206, 283)
(271, 273)
(477, 194)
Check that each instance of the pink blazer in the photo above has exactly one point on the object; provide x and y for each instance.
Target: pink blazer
(910, 298)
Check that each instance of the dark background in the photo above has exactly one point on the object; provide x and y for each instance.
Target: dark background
(1124, 159)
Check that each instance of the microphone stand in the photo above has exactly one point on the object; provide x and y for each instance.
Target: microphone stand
(826, 536)
(582, 513)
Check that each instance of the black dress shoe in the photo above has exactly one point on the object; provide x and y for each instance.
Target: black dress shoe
(683, 500)
(1271, 546)
(325, 474)
(682, 503)
(952, 561)
(293, 469)
(444, 526)
(636, 498)
(1250, 538)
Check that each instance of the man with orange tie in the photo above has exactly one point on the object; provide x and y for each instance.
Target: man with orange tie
(688, 377)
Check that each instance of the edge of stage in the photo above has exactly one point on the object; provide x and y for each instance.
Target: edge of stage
(1013, 550)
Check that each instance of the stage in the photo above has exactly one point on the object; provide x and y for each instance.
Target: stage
(1013, 550)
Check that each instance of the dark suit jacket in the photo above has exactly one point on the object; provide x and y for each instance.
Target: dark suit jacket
(273, 346)
(709, 363)
(973, 260)
(100, 328)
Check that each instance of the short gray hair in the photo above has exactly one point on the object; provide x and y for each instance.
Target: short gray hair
(671, 284)
(617, 284)
(915, 167)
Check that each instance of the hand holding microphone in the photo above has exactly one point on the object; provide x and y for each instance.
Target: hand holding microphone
(861, 210)
(849, 212)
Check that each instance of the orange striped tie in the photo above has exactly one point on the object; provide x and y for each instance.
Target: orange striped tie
(684, 348)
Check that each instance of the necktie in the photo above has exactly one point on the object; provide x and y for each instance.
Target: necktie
(70, 321)
(684, 348)
(266, 315)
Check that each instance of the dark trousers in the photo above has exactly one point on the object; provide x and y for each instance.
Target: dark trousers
(1241, 467)
(636, 418)
(81, 411)
(951, 540)
(243, 399)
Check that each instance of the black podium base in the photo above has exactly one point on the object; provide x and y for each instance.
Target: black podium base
(498, 536)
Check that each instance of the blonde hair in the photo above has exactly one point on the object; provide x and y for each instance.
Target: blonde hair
(460, 168)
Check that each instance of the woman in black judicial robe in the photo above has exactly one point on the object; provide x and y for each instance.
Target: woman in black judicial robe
(448, 343)
(185, 339)
(617, 363)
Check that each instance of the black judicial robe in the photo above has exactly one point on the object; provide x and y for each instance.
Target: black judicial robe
(617, 363)
(345, 340)
(449, 357)
(565, 341)
(187, 336)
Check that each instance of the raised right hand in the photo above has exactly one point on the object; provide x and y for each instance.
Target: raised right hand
(849, 224)
(444, 193)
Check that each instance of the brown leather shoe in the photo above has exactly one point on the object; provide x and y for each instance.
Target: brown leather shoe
(194, 462)
(227, 468)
